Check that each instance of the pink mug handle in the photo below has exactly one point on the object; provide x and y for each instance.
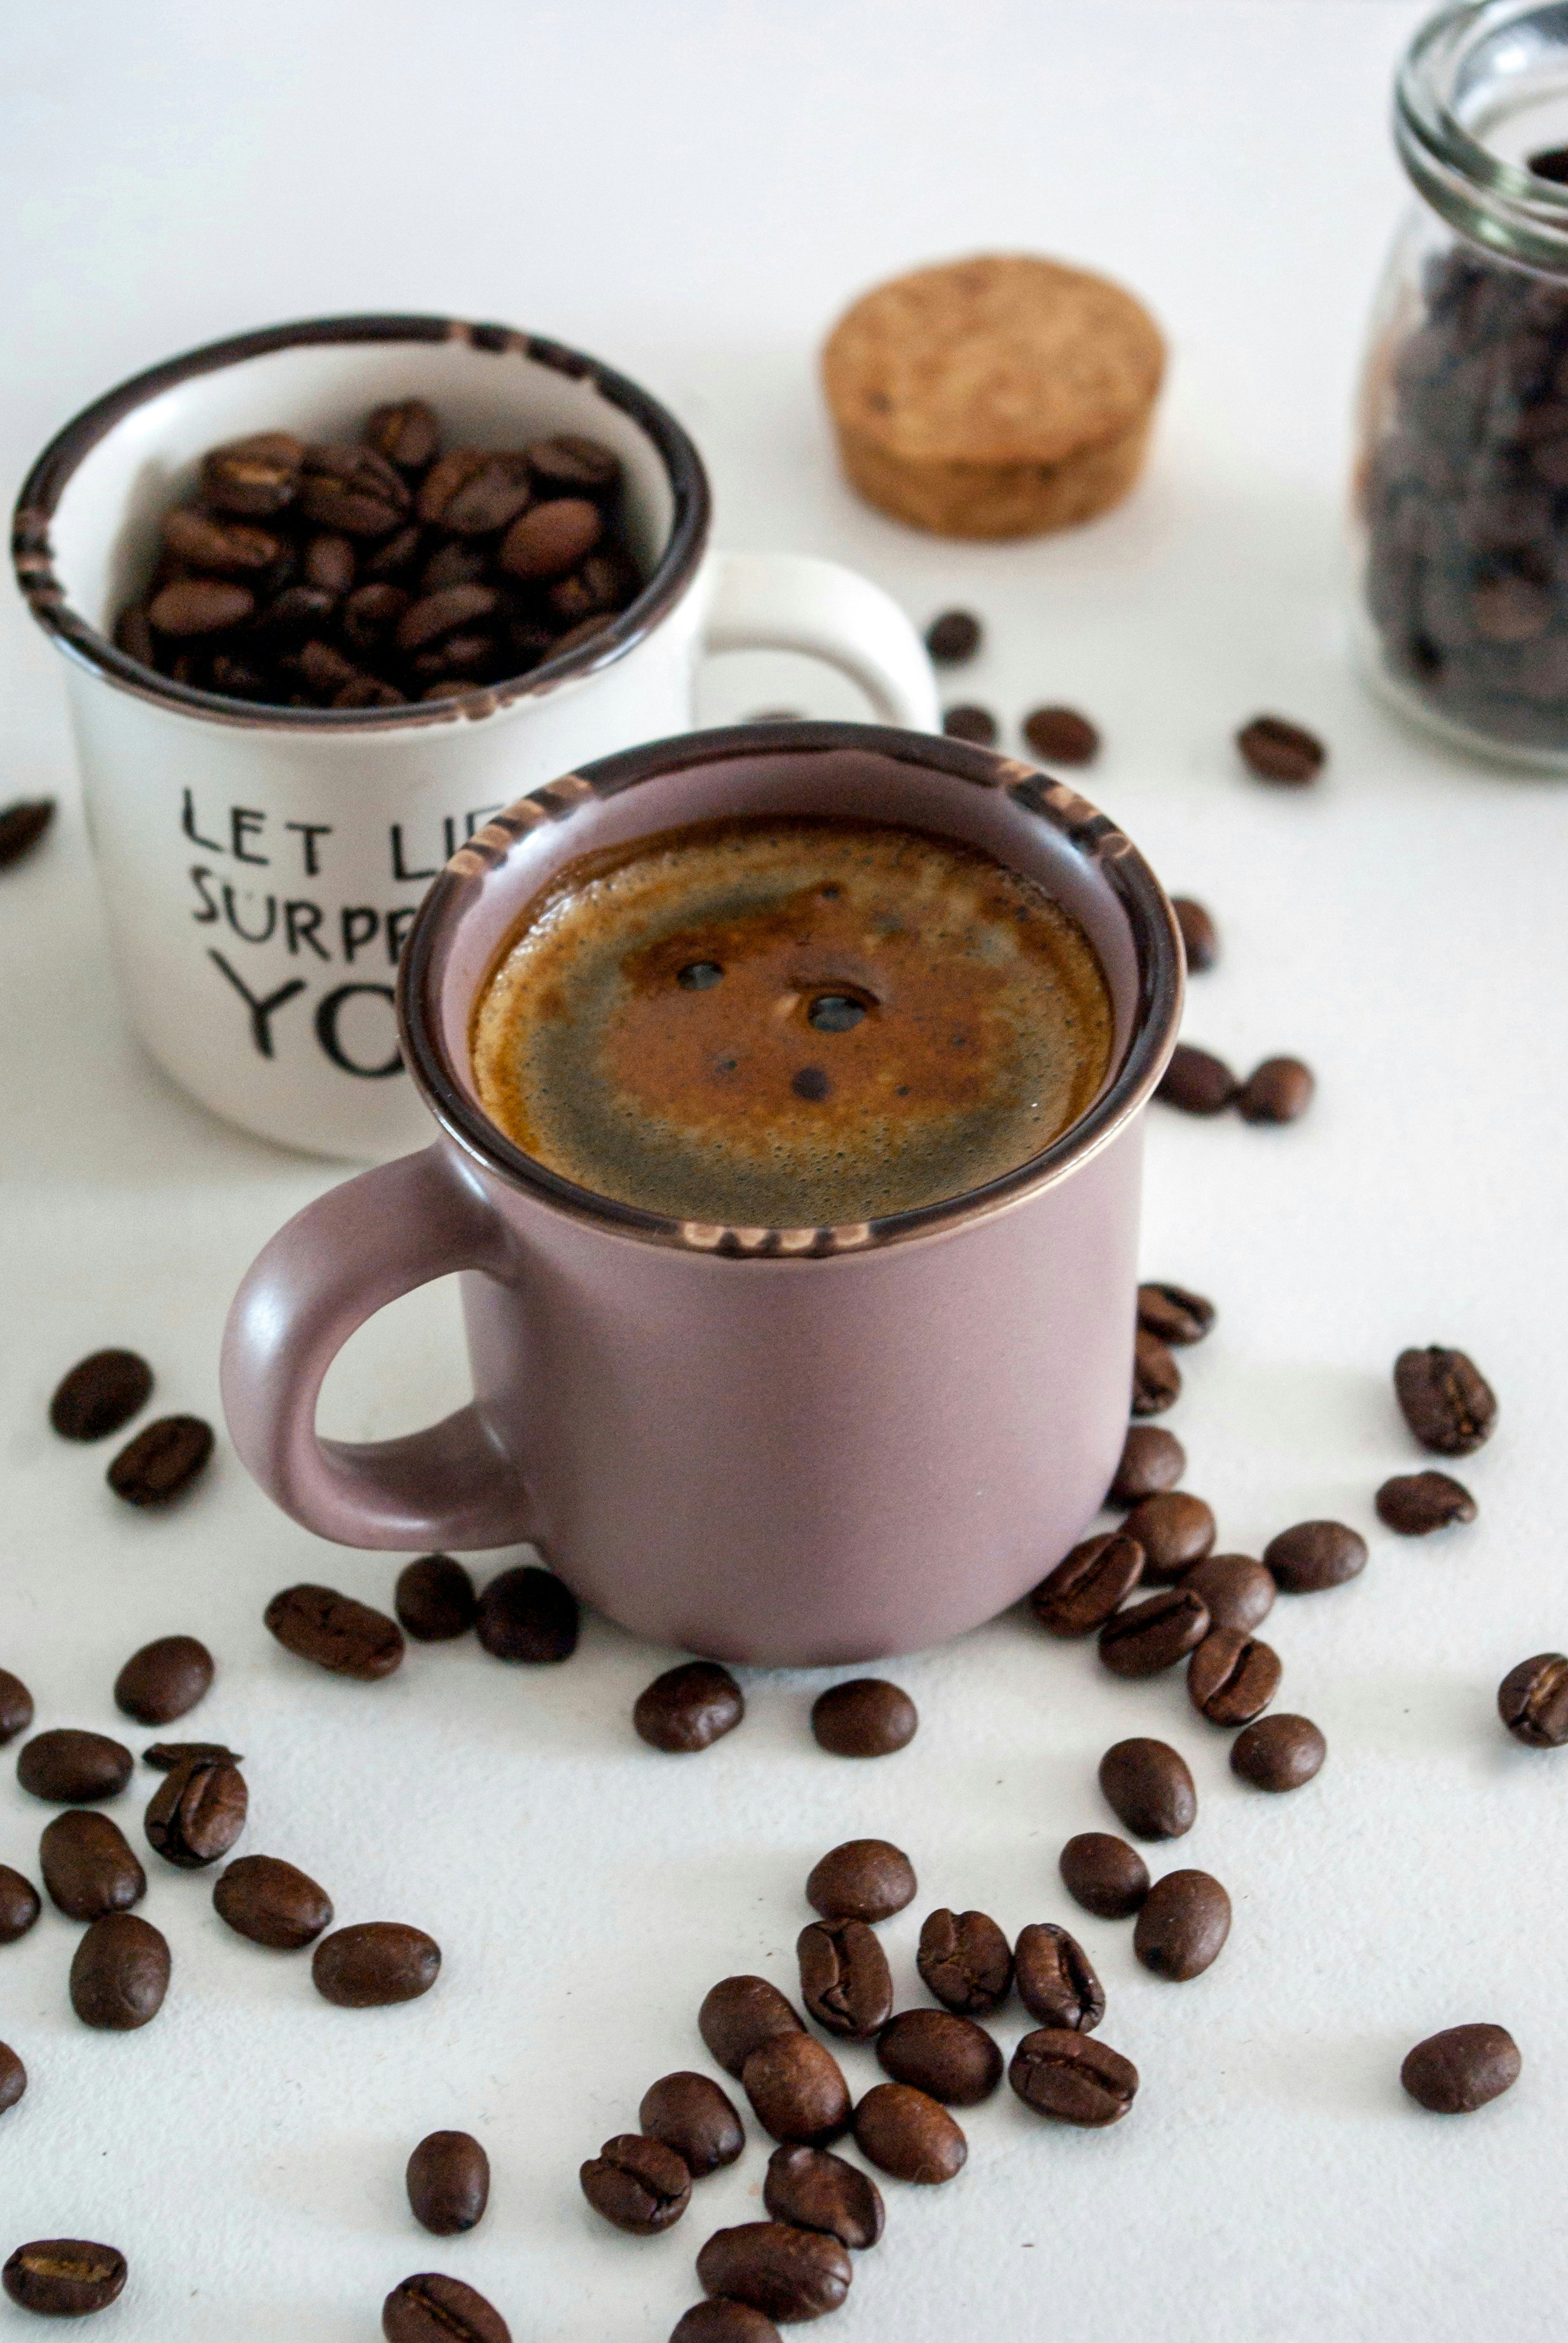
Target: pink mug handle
(334, 1264)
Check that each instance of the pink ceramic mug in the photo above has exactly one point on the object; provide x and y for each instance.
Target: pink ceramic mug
(790, 1446)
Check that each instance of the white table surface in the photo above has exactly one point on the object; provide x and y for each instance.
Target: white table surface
(696, 192)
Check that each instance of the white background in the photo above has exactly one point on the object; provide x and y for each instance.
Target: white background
(695, 192)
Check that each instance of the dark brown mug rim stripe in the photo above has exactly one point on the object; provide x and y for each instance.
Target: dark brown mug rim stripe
(33, 555)
(1155, 939)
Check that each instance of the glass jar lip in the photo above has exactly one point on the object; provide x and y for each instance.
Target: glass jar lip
(1501, 205)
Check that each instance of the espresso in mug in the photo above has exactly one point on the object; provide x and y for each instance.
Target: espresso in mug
(790, 1022)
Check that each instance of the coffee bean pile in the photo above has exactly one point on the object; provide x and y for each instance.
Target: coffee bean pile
(371, 573)
(99, 1396)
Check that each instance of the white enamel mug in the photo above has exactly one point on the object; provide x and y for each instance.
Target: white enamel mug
(261, 867)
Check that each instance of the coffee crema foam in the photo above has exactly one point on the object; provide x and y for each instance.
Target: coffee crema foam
(790, 1023)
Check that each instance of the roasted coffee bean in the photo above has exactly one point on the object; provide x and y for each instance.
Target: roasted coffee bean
(447, 480)
(100, 1395)
(527, 1615)
(1278, 1753)
(365, 691)
(255, 477)
(1156, 1377)
(1072, 2078)
(845, 1981)
(161, 1461)
(1275, 749)
(164, 1756)
(1152, 1461)
(551, 538)
(448, 2183)
(375, 1963)
(864, 1879)
(726, 2322)
(196, 1814)
(73, 1769)
(965, 1961)
(19, 1903)
(1149, 1786)
(1088, 1585)
(190, 607)
(372, 616)
(1231, 1678)
(1200, 936)
(1175, 1314)
(569, 465)
(639, 2184)
(22, 825)
(1056, 1980)
(787, 2274)
(13, 2080)
(906, 2132)
(1155, 1633)
(89, 1868)
(602, 583)
(1174, 1530)
(1240, 1592)
(968, 722)
(15, 1706)
(1446, 1400)
(344, 1637)
(864, 1718)
(292, 616)
(352, 489)
(575, 636)
(1279, 1090)
(953, 638)
(270, 1902)
(434, 2309)
(1104, 1875)
(689, 1707)
(1314, 1555)
(1182, 1928)
(949, 2057)
(406, 433)
(435, 1599)
(120, 1974)
(460, 561)
(321, 672)
(435, 617)
(395, 557)
(65, 2277)
(691, 2114)
(814, 2189)
(1197, 1081)
(1061, 736)
(1532, 1701)
(220, 549)
(489, 496)
(164, 1680)
(1455, 2072)
(797, 2089)
(738, 2014)
(330, 561)
(1416, 1503)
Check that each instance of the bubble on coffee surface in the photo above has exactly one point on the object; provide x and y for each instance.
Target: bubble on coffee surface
(776, 1023)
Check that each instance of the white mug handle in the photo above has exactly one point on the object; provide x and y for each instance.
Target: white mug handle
(793, 602)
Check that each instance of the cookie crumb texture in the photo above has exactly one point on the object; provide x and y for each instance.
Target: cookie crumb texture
(1002, 396)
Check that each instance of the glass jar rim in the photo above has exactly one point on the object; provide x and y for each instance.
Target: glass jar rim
(1502, 207)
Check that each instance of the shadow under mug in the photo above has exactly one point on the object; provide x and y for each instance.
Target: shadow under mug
(790, 1446)
(261, 867)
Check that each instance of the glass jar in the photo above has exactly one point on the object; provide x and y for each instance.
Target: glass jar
(1461, 487)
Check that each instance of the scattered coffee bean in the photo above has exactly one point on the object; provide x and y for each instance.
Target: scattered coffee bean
(270, 1902)
(1446, 1399)
(13, 2079)
(814, 2189)
(1056, 1980)
(1314, 1555)
(1061, 736)
(738, 2014)
(1152, 1461)
(845, 1981)
(22, 825)
(449, 2182)
(1416, 1503)
(864, 1718)
(528, 1614)
(639, 2184)
(691, 2114)
(1200, 936)
(864, 1879)
(120, 1973)
(1149, 1786)
(1231, 1678)
(907, 2133)
(965, 1961)
(1278, 750)
(1461, 2069)
(787, 2274)
(1197, 1081)
(969, 722)
(435, 1599)
(335, 1633)
(434, 2309)
(1278, 1753)
(73, 1769)
(1072, 2078)
(65, 2277)
(1532, 1701)
(161, 1461)
(689, 1708)
(726, 2322)
(796, 2090)
(100, 1395)
(19, 1902)
(1104, 1875)
(949, 2057)
(164, 1756)
(953, 638)
(375, 1963)
(1156, 1377)
(1175, 1314)
(1155, 1634)
(1279, 1090)
(15, 1706)
(1174, 1530)
(164, 1680)
(1182, 1928)
(1240, 1592)
(88, 1866)
(1088, 1585)
(196, 1814)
